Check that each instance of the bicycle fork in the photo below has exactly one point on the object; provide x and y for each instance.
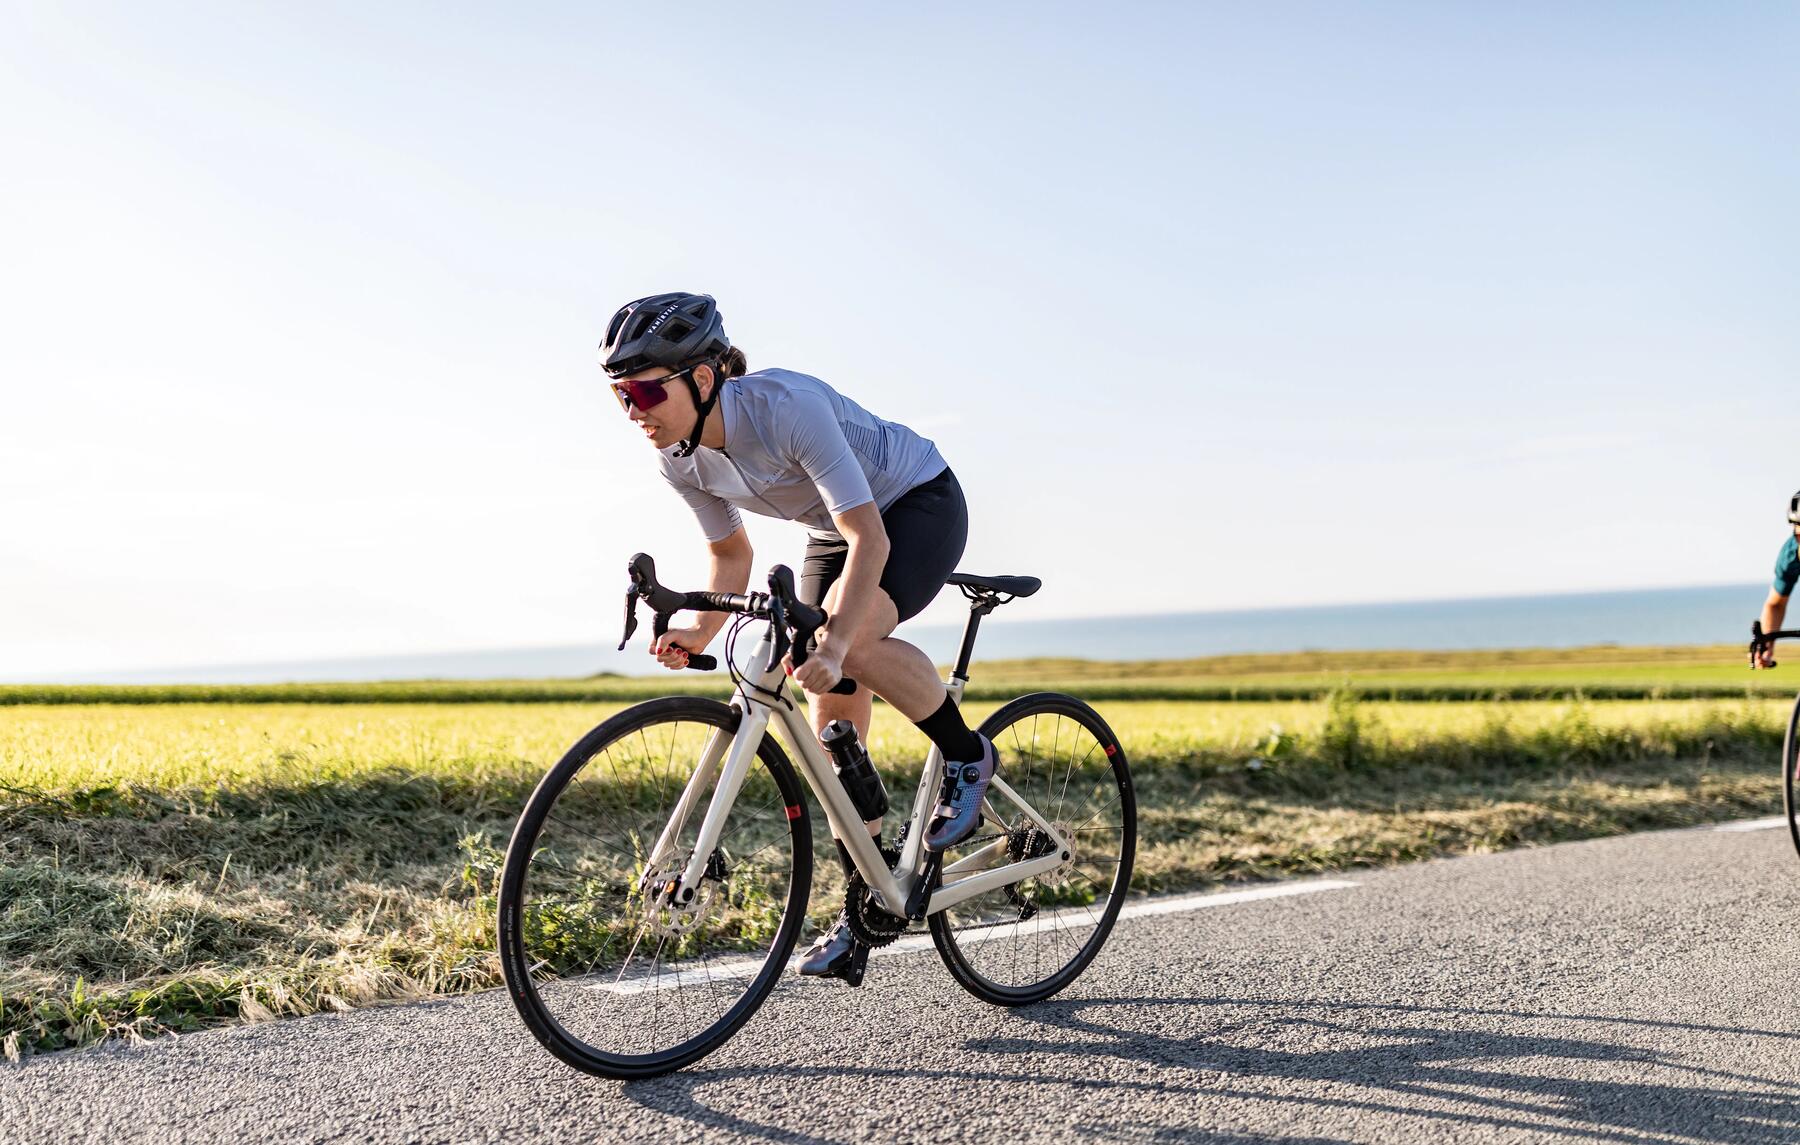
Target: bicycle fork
(742, 744)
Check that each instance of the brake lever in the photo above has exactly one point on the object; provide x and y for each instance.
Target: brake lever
(778, 621)
(631, 599)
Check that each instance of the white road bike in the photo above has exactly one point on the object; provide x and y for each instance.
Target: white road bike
(661, 872)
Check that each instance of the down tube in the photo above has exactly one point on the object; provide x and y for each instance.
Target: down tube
(846, 824)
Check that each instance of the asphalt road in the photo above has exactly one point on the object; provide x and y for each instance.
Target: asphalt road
(1629, 990)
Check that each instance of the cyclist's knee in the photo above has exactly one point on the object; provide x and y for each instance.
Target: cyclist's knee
(856, 663)
(883, 616)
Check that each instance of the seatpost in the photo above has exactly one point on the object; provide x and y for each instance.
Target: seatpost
(980, 608)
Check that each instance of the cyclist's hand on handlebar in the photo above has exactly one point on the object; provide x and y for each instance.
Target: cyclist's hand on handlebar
(822, 670)
(673, 647)
(1762, 657)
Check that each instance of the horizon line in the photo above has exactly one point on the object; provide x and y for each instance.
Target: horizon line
(349, 659)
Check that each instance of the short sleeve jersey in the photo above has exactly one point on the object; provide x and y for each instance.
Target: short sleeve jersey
(1787, 568)
(797, 450)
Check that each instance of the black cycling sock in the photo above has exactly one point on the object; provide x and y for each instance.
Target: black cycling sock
(945, 727)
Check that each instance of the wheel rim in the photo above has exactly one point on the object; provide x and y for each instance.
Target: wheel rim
(1040, 932)
(623, 978)
(1790, 773)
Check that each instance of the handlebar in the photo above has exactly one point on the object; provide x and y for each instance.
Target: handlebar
(1760, 640)
(781, 605)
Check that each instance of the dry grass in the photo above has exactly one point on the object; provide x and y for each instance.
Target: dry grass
(168, 867)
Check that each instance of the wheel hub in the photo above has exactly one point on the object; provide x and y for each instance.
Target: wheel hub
(1035, 842)
(671, 918)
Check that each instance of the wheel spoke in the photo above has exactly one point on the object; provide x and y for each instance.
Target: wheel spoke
(1028, 940)
(623, 979)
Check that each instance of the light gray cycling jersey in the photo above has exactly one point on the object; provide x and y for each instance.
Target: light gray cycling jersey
(798, 450)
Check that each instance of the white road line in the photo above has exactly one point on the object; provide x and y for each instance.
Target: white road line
(1753, 824)
(1229, 898)
(668, 978)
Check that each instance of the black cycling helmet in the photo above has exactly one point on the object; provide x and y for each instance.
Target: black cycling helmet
(1794, 509)
(668, 330)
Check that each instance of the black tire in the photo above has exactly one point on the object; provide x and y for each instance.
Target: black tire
(1790, 775)
(571, 907)
(1076, 777)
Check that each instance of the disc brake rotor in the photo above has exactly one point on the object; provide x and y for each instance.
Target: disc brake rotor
(672, 921)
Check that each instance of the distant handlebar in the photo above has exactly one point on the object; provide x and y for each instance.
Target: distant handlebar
(1761, 641)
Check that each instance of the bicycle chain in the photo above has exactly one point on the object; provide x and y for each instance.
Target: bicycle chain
(875, 927)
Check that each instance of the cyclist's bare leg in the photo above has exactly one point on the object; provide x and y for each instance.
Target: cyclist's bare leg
(900, 673)
(858, 709)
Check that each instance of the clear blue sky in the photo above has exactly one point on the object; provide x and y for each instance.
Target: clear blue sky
(1256, 304)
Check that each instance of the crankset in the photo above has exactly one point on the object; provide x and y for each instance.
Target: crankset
(871, 925)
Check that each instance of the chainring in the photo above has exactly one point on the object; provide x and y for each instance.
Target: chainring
(871, 925)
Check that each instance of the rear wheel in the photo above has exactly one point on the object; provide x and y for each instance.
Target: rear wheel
(1024, 942)
(1790, 775)
(608, 974)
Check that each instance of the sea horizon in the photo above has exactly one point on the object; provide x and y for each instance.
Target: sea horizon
(1704, 614)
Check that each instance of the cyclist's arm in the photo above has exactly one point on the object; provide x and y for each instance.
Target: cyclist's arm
(718, 518)
(731, 560)
(1787, 574)
(816, 443)
(1762, 655)
(868, 541)
(1774, 610)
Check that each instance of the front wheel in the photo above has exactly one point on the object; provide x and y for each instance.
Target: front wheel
(1024, 942)
(1790, 774)
(608, 972)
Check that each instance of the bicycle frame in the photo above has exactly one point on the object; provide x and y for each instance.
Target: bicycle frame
(763, 697)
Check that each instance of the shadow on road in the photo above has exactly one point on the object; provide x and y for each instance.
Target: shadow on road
(1425, 1064)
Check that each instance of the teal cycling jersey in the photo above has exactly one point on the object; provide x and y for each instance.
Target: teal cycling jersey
(1787, 568)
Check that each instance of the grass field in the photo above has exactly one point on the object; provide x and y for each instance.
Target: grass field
(1612, 672)
(176, 865)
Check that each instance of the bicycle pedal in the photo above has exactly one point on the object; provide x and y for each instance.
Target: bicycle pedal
(852, 974)
(848, 968)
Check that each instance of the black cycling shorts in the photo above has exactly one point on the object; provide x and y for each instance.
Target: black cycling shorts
(926, 528)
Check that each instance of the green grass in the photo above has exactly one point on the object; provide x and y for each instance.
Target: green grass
(1692, 672)
(169, 867)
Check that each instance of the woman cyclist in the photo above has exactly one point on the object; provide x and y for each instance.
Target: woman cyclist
(885, 519)
(1787, 574)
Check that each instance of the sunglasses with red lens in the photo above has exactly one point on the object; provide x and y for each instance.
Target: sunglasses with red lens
(645, 394)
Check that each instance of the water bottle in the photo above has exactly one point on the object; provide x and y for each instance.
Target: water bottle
(854, 770)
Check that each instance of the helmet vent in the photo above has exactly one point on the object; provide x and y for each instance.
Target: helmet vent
(662, 330)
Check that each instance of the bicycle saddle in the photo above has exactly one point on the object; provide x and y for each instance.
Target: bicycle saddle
(1011, 585)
